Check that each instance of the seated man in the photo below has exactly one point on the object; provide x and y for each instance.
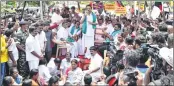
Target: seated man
(113, 35)
(74, 34)
(95, 66)
(53, 66)
(62, 35)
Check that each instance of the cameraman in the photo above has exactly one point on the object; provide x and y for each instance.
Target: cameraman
(167, 56)
(131, 59)
(141, 48)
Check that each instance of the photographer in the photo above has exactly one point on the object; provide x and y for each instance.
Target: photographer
(167, 56)
(130, 62)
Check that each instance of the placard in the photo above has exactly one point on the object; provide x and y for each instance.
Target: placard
(120, 10)
(109, 7)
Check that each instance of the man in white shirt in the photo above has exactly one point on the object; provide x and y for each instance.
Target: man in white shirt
(53, 66)
(42, 38)
(43, 70)
(95, 66)
(56, 17)
(110, 27)
(62, 35)
(74, 34)
(66, 63)
(33, 50)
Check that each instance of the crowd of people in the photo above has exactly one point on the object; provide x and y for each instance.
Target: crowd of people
(28, 49)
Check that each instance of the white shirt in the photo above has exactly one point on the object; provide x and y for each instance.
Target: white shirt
(32, 44)
(44, 72)
(90, 30)
(42, 38)
(14, 49)
(96, 61)
(56, 18)
(110, 29)
(65, 65)
(52, 67)
(62, 33)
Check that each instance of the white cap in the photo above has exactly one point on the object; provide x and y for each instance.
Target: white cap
(167, 55)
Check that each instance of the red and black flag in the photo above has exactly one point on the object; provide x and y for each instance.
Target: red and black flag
(119, 4)
(159, 5)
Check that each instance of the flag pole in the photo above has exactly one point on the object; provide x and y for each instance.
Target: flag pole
(41, 10)
(23, 10)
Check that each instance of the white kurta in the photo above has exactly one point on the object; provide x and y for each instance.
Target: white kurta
(65, 65)
(96, 62)
(63, 33)
(44, 72)
(88, 38)
(42, 39)
(32, 44)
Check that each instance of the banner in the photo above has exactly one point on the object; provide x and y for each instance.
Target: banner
(120, 10)
(109, 7)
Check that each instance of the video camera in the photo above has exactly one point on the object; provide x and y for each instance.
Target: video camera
(153, 51)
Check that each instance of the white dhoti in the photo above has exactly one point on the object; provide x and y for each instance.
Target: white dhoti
(80, 49)
(33, 64)
(87, 42)
(74, 50)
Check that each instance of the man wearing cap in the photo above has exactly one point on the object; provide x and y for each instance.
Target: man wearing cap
(20, 39)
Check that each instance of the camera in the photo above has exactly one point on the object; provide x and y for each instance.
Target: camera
(157, 71)
(130, 76)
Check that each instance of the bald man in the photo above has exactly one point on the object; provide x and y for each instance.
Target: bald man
(170, 36)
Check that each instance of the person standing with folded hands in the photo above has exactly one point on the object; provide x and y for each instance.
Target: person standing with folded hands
(33, 50)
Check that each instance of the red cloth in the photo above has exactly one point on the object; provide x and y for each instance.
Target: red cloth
(67, 71)
(112, 81)
(53, 26)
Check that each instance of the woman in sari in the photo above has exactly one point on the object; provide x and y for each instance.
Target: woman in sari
(75, 73)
